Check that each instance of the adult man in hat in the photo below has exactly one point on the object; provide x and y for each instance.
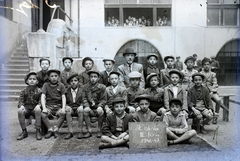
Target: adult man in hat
(130, 66)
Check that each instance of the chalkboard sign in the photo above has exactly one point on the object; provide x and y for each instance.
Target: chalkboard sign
(147, 135)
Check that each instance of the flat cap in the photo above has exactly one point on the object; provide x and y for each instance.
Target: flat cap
(129, 51)
(167, 57)
(205, 60)
(108, 59)
(72, 76)
(134, 74)
(150, 76)
(155, 55)
(175, 100)
(114, 72)
(143, 96)
(93, 71)
(117, 100)
(28, 75)
(198, 74)
(189, 58)
(85, 59)
(64, 58)
(53, 70)
(175, 71)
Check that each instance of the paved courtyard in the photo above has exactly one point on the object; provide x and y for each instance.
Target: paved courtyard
(222, 143)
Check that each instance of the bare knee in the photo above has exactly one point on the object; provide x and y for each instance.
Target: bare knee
(100, 111)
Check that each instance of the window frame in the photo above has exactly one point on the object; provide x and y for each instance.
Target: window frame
(7, 12)
(153, 6)
(222, 7)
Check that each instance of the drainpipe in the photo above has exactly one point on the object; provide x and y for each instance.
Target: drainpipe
(41, 17)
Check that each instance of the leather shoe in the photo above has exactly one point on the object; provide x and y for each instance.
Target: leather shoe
(56, 134)
(49, 134)
(87, 135)
(99, 134)
(202, 130)
(38, 134)
(214, 120)
(104, 145)
(80, 135)
(68, 136)
(23, 135)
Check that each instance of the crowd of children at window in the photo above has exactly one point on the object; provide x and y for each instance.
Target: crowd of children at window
(114, 98)
(138, 22)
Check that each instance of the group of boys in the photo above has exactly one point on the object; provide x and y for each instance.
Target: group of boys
(116, 97)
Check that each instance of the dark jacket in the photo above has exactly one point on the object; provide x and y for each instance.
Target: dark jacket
(110, 124)
(42, 78)
(191, 98)
(80, 99)
(164, 78)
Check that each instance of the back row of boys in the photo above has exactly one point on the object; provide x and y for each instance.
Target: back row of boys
(94, 94)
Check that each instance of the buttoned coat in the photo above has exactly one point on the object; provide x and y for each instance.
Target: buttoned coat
(124, 71)
(120, 92)
(181, 94)
(104, 78)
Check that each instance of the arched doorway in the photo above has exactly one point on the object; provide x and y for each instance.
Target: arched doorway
(229, 60)
(143, 49)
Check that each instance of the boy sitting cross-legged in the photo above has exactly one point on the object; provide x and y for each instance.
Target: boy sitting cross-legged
(176, 124)
(175, 90)
(115, 127)
(97, 97)
(115, 90)
(53, 102)
(156, 94)
(144, 114)
(199, 103)
(76, 101)
(29, 105)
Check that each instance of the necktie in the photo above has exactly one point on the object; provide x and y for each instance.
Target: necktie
(130, 68)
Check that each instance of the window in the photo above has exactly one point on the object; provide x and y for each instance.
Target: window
(6, 9)
(137, 13)
(223, 12)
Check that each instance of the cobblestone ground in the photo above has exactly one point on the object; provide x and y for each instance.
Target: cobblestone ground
(226, 141)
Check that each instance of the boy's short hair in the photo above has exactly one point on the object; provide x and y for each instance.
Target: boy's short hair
(155, 55)
(142, 97)
(114, 72)
(167, 57)
(28, 75)
(205, 60)
(151, 75)
(108, 59)
(53, 70)
(189, 58)
(65, 58)
(85, 59)
(134, 74)
(71, 77)
(198, 74)
(129, 51)
(93, 71)
(175, 100)
(175, 71)
(44, 59)
(118, 100)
